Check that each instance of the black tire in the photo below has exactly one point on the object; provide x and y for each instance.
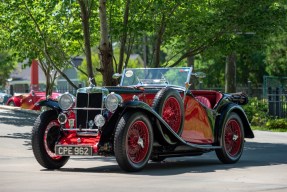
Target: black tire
(232, 140)
(133, 141)
(45, 134)
(168, 104)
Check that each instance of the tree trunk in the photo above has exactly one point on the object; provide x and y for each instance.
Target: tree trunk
(159, 42)
(190, 62)
(124, 37)
(105, 48)
(230, 73)
(85, 23)
(48, 85)
(145, 51)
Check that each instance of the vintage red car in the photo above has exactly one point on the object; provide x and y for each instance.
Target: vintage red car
(28, 100)
(151, 115)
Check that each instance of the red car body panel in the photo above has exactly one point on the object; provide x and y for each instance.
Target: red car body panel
(28, 100)
(197, 128)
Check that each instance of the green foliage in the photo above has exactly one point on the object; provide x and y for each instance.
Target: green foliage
(257, 114)
(6, 66)
(255, 30)
(276, 54)
(49, 31)
(256, 111)
(277, 124)
(96, 64)
(132, 63)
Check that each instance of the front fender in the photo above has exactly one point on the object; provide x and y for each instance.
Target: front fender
(225, 112)
(163, 132)
(49, 103)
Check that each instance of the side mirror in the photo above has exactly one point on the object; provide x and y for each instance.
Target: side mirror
(116, 76)
(33, 93)
(200, 75)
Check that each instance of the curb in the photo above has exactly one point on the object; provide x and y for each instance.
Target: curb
(20, 110)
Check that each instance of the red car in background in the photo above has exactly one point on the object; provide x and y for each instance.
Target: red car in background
(28, 100)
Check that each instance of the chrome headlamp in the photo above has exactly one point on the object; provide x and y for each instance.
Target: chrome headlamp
(112, 101)
(66, 101)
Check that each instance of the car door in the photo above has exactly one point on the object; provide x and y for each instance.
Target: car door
(197, 125)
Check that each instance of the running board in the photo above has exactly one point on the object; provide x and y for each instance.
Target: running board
(204, 147)
(187, 146)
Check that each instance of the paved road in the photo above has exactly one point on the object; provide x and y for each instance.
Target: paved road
(263, 167)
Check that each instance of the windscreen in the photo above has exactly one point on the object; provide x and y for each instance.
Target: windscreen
(156, 76)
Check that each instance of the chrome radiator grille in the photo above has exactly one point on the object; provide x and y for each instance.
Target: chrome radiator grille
(87, 100)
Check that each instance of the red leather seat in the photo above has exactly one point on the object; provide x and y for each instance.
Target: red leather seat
(204, 101)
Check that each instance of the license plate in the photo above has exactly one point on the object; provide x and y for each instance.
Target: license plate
(73, 150)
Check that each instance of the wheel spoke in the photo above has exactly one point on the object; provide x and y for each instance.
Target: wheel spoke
(50, 138)
(233, 137)
(138, 137)
(171, 113)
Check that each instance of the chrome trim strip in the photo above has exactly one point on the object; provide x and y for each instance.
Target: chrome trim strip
(90, 134)
(89, 109)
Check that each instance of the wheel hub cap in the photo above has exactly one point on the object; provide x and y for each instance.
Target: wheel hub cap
(140, 142)
(235, 137)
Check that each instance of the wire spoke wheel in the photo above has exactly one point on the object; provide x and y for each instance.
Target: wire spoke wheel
(168, 103)
(45, 134)
(133, 141)
(232, 139)
(171, 113)
(138, 141)
(51, 136)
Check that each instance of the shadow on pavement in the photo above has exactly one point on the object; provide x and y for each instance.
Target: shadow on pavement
(17, 118)
(255, 154)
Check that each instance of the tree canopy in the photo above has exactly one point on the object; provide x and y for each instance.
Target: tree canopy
(163, 33)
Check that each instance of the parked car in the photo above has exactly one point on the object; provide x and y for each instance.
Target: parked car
(4, 97)
(28, 100)
(151, 115)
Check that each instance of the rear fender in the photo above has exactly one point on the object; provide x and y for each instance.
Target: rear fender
(224, 112)
(15, 100)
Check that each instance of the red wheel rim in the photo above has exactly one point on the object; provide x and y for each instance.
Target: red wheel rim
(137, 141)
(50, 138)
(233, 137)
(171, 113)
